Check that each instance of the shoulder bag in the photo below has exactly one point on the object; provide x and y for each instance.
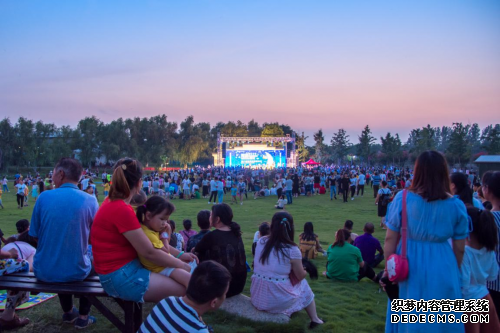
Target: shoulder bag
(397, 265)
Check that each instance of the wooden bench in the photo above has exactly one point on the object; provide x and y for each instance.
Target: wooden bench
(90, 288)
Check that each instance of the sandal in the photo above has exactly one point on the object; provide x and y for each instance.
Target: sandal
(314, 324)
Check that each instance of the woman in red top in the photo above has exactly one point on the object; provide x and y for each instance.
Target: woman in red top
(117, 239)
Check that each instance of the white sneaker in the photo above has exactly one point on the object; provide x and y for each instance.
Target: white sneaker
(209, 202)
(241, 203)
(352, 198)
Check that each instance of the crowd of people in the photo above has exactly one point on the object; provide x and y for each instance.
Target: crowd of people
(141, 255)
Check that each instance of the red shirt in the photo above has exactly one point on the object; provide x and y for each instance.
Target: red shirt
(111, 250)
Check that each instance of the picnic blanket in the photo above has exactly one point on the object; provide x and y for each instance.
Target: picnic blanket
(34, 300)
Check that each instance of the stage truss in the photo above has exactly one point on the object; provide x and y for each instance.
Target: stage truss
(291, 161)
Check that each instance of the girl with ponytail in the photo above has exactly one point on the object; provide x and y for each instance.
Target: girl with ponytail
(118, 241)
(225, 246)
(277, 259)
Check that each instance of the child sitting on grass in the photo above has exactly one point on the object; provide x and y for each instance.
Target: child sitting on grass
(480, 265)
(153, 216)
(281, 203)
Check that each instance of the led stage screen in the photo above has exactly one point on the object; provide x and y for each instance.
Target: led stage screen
(256, 158)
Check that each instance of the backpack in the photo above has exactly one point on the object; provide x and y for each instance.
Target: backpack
(385, 199)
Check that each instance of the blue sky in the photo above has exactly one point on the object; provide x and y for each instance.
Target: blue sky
(394, 65)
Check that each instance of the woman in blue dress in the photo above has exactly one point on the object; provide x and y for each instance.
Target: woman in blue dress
(434, 217)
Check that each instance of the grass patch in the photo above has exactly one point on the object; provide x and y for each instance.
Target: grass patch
(347, 307)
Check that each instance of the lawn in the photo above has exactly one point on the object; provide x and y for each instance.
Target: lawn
(347, 307)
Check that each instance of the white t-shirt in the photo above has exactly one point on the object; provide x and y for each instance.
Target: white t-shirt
(27, 250)
(186, 183)
(195, 187)
(20, 189)
(478, 266)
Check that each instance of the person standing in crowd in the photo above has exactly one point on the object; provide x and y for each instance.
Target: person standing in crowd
(344, 186)
(5, 186)
(353, 181)
(491, 192)
(361, 183)
(65, 214)
(382, 201)
(333, 188)
(433, 217)
(376, 183)
(213, 190)
(20, 194)
(288, 189)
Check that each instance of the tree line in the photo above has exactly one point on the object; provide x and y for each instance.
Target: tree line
(156, 141)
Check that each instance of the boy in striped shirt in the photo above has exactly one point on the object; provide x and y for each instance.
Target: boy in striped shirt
(206, 292)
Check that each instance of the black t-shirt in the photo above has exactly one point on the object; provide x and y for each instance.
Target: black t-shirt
(227, 249)
(332, 180)
(345, 183)
(316, 179)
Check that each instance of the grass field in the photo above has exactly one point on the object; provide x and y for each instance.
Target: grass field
(347, 307)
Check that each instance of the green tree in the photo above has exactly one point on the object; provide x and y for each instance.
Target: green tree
(25, 142)
(88, 140)
(7, 142)
(491, 139)
(422, 139)
(193, 141)
(302, 151)
(474, 138)
(319, 138)
(458, 146)
(340, 145)
(254, 128)
(391, 146)
(365, 143)
(272, 129)
(232, 129)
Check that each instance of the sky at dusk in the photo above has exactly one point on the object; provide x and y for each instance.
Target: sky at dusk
(395, 65)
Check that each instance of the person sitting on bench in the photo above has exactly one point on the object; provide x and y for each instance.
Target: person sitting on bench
(61, 221)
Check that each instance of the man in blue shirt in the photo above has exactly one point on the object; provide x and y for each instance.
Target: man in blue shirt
(376, 179)
(369, 245)
(61, 221)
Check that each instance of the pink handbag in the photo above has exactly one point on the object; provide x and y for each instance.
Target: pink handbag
(397, 265)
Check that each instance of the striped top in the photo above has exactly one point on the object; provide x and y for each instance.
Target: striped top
(495, 285)
(173, 315)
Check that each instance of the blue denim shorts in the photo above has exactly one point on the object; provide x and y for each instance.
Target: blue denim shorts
(129, 282)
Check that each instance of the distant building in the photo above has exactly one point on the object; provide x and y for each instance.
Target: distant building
(487, 162)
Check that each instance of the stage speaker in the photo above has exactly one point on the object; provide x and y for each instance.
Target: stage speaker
(224, 149)
(289, 147)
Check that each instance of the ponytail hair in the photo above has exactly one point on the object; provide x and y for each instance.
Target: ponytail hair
(341, 237)
(127, 173)
(484, 227)
(155, 205)
(280, 238)
(225, 213)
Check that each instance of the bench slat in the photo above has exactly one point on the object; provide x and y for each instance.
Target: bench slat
(26, 279)
(56, 289)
